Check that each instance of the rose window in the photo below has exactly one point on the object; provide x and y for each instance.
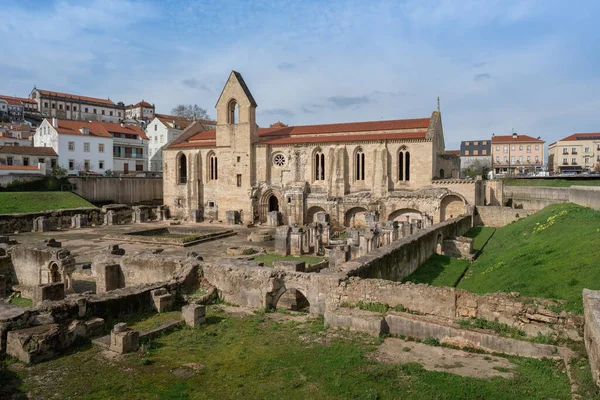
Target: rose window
(279, 160)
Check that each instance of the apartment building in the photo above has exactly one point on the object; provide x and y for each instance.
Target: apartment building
(579, 152)
(517, 154)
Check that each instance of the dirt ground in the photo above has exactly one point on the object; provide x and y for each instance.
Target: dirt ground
(442, 359)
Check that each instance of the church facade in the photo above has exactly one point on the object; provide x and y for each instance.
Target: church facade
(393, 167)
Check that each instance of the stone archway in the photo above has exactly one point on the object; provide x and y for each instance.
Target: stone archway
(312, 212)
(55, 276)
(292, 299)
(402, 214)
(438, 244)
(269, 201)
(451, 206)
(355, 217)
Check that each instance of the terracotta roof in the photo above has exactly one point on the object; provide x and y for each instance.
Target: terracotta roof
(278, 124)
(77, 98)
(181, 123)
(328, 133)
(20, 167)
(519, 138)
(196, 135)
(177, 117)
(452, 152)
(141, 104)
(22, 99)
(100, 129)
(28, 151)
(583, 136)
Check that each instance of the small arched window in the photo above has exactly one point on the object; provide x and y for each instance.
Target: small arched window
(319, 163)
(212, 167)
(359, 164)
(182, 168)
(403, 164)
(233, 112)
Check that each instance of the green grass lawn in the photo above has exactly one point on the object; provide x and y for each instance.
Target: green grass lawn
(254, 357)
(268, 259)
(439, 271)
(480, 235)
(21, 302)
(551, 182)
(553, 253)
(25, 202)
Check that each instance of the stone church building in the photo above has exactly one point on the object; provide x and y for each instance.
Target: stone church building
(397, 168)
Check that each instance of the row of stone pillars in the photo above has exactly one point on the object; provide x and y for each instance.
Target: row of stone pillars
(308, 239)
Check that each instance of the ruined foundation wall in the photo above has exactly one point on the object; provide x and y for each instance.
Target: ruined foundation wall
(497, 216)
(591, 305)
(401, 258)
(10, 223)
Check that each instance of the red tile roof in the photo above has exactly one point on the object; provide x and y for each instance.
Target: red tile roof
(141, 104)
(327, 133)
(21, 99)
(182, 123)
(583, 136)
(28, 151)
(75, 97)
(100, 129)
(20, 167)
(519, 138)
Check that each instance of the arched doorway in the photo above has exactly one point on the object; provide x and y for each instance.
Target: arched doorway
(405, 215)
(438, 244)
(451, 207)
(273, 203)
(311, 213)
(355, 217)
(441, 173)
(292, 299)
(54, 273)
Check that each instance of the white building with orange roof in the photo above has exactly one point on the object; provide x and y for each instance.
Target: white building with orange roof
(579, 152)
(75, 107)
(94, 146)
(142, 111)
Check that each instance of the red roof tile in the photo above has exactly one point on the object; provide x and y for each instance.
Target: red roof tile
(101, 129)
(22, 99)
(77, 98)
(28, 151)
(419, 123)
(20, 167)
(510, 139)
(583, 136)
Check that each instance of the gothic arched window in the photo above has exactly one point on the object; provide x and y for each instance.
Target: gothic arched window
(182, 168)
(403, 164)
(233, 112)
(319, 164)
(212, 167)
(359, 164)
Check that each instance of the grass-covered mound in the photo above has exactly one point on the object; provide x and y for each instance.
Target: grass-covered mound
(552, 182)
(26, 202)
(553, 253)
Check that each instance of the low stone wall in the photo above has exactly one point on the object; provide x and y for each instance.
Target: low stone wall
(587, 196)
(530, 315)
(10, 223)
(401, 258)
(591, 305)
(498, 216)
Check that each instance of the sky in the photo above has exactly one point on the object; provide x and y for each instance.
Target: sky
(531, 66)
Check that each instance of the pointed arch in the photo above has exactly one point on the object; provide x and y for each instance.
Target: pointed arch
(212, 166)
(359, 164)
(318, 164)
(182, 168)
(403, 164)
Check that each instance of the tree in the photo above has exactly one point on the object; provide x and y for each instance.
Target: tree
(59, 172)
(191, 112)
(597, 167)
(477, 168)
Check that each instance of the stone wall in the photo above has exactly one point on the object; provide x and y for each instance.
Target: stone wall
(498, 216)
(587, 196)
(10, 223)
(403, 257)
(124, 190)
(591, 305)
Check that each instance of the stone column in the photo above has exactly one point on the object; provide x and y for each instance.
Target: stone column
(282, 240)
(123, 339)
(296, 237)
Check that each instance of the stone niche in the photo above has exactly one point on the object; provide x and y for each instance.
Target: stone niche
(232, 217)
(42, 265)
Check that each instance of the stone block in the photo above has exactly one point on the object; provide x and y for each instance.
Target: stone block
(194, 314)
(79, 221)
(109, 276)
(260, 236)
(282, 240)
(53, 243)
(140, 215)
(359, 320)
(115, 250)
(322, 217)
(51, 291)
(290, 266)
(41, 224)
(123, 339)
(196, 215)
(94, 327)
(110, 218)
(162, 299)
(273, 219)
(33, 345)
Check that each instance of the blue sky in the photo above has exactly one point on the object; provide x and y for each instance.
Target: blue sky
(497, 65)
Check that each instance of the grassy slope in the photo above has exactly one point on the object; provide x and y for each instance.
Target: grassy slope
(445, 271)
(551, 182)
(537, 258)
(24, 202)
(256, 358)
(269, 258)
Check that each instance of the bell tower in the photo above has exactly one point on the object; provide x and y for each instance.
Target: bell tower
(236, 115)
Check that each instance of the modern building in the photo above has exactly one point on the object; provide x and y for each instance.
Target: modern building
(579, 152)
(517, 154)
(162, 130)
(391, 168)
(28, 156)
(142, 111)
(475, 155)
(94, 146)
(72, 107)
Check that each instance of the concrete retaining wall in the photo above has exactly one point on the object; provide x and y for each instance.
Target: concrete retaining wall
(125, 190)
(497, 216)
(587, 196)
